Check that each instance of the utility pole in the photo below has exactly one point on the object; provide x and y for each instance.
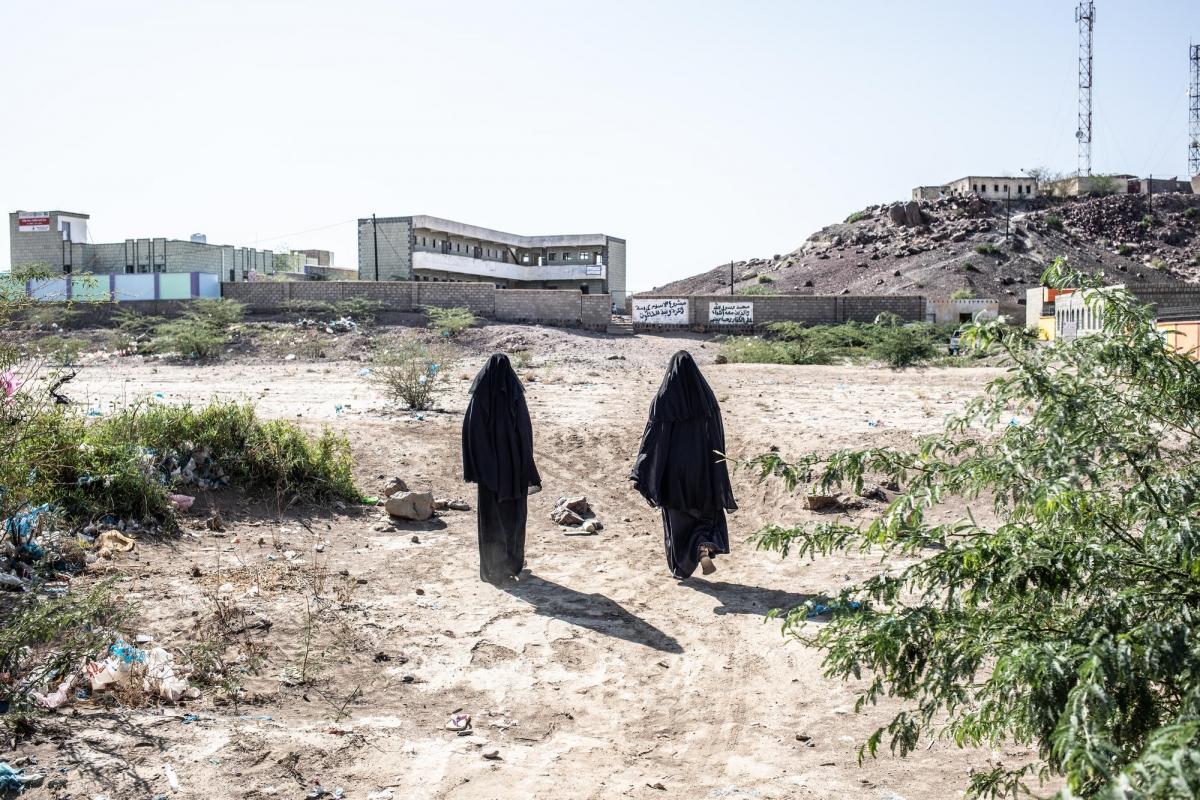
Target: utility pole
(1150, 192)
(731, 277)
(1085, 15)
(375, 242)
(1007, 211)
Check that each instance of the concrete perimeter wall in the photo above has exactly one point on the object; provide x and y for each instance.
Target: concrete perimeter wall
(539, 306)
(801, 308)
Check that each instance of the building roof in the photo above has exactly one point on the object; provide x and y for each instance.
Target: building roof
(500, 237)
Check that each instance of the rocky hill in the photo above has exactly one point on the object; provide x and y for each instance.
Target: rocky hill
(939, 247)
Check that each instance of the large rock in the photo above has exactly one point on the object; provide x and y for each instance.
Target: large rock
(896, 214)
(912, 214)
(417, 506)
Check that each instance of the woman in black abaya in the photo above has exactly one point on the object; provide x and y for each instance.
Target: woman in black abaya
(680, 468)
(497, 443)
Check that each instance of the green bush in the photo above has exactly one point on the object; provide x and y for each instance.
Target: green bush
(855, 217)
(988, 249)
(1054, 223)
(1191, 212)
(754, 289)
(903, 346)
(1125, 250)
(449, 322)
(756, 350)
(414, 374)
(1061, 621)
(962, 294)
(202, 332)
(358, 309)
(765, 279)
(126, 464)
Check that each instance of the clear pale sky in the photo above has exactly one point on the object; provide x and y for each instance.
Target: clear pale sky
(699, 131)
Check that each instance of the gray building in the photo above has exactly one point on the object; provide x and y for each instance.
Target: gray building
(424, 248)
(59, 240)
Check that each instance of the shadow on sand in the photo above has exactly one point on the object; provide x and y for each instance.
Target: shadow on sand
(737, 598)
(594, 611)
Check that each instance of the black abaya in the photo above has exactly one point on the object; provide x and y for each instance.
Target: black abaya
(497, 443)
(680, 466)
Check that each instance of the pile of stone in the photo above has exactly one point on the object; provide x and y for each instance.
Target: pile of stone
(403, 504)
(574, 513)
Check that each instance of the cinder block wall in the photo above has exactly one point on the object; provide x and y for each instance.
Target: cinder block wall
(539, 305)
(596, 311)
(549, 306)
(479, 297)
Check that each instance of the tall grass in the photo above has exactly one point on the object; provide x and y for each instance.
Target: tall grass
(126, 464)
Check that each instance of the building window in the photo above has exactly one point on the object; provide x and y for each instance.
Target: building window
(585, 256)
(974, 187)
(554, 256)
(525, 259)
(1029, 189)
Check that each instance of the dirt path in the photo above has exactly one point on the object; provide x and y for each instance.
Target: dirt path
(598, 676)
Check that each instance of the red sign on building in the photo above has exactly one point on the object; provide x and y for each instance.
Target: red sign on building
(33, 221)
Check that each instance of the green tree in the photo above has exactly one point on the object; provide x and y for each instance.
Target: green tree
(1072, 623)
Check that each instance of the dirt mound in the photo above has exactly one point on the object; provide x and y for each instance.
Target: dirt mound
(936, 248)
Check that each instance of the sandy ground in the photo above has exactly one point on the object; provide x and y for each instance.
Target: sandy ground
(596, 676)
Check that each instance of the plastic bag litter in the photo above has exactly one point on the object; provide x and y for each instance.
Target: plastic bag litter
(182, 502)
(15, 780)
(56, 698)
(159, 671)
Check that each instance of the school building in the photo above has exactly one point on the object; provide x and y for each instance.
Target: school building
(424, 248)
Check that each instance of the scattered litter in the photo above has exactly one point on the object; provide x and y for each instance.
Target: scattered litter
(15, 780)
(9, 383)
(182, 502)
(459, 722)
(338, 730)
(111, 542)
(382, 794)
(874, 423)
(290, 357)
(362, 373)
(188, 719)
(819, 609)
(156, 667)
(58, 697)
(160, 396)
(492, 755)
(172, 778)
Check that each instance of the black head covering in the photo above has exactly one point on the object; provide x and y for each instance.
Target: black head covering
(677, 464)
(497, 438)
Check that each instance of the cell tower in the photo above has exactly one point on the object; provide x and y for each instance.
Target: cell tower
(1194, 105)
(1085, 15)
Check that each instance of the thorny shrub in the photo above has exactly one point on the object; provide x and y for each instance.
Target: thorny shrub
(413, 374)
(1069, 624)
